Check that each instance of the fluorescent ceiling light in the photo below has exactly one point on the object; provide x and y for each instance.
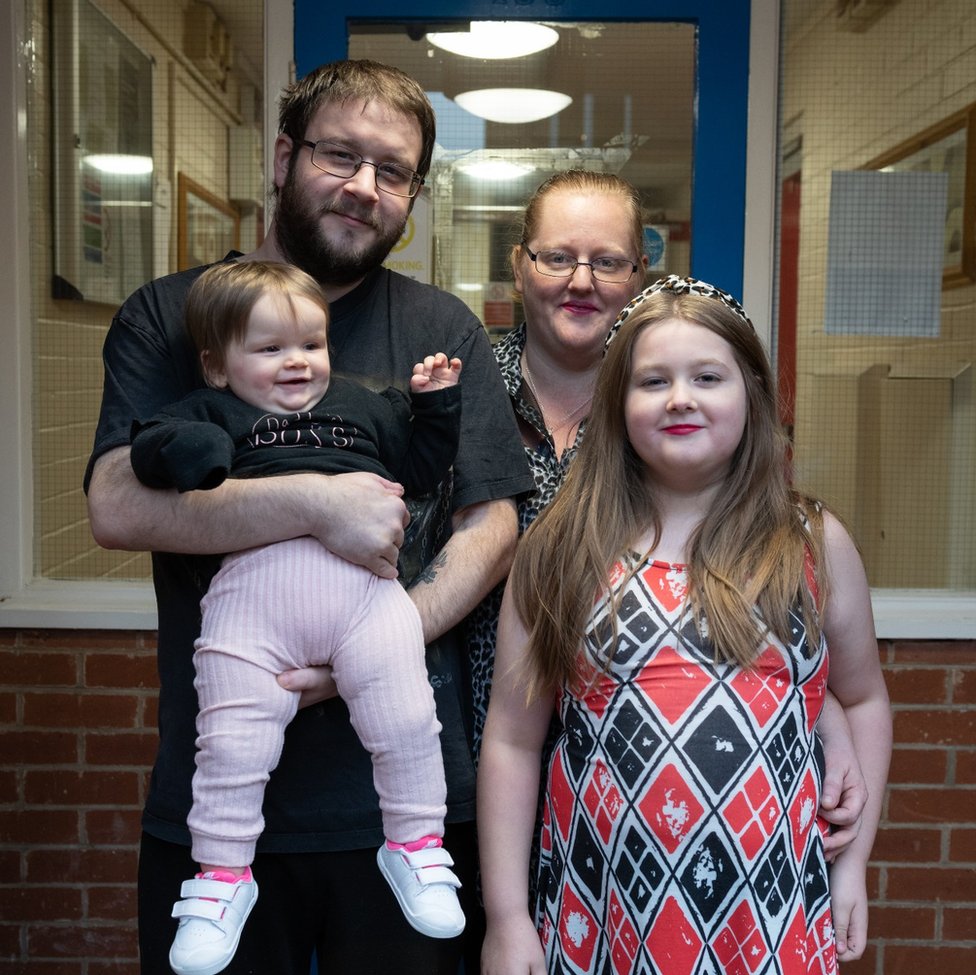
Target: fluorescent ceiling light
(499, 170)
(496, 39)
(512, 105)
(121, 165)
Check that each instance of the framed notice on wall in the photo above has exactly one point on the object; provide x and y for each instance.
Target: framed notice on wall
(947, 148)
(103, 157)
(207, 227)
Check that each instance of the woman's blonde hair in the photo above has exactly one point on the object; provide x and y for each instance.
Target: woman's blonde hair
(582, 182)
(752, 548)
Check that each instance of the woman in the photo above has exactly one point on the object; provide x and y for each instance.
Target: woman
(578, 261)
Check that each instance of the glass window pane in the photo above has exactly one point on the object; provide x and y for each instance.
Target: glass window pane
(485, 169)
(877, 270)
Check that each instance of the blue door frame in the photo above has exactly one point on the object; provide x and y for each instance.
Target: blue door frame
(718, 193)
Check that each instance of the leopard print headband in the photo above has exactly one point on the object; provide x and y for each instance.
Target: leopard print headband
(681, 286)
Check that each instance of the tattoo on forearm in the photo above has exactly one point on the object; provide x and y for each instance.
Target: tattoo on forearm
(429, 572)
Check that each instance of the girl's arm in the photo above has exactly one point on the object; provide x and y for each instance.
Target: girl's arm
(857, 681)
(508, 789)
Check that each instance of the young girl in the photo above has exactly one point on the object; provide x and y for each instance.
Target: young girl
(677, 601)
(273, 406)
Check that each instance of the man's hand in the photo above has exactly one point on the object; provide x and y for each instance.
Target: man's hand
(315, 684)
(362, 521)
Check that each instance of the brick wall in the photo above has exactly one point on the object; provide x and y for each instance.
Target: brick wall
(77, 716)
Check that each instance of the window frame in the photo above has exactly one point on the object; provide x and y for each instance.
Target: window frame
(26, 601)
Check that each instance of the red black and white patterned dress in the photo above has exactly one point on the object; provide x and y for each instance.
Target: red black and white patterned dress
(680, 834)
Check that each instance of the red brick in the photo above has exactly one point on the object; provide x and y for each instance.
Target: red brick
(49, 827)
(80, 710)
(113, 827)
(928, 806)
(89, 866)
(964, 686)
(912, 959)
(135, 748)
(31, 668)
(962, 846)
(39, 748)
(121, 670)
(10, 865)
(84, 639)
(933, 653)
(9, 786)
(922, 765)
(9, 941)
(965, 766)
(958, 923)
(950, 726)
(150, 711)
(9, 637)
(931, 883)
(8, 708)
(113, 968)
(86, 788)
(112, 903)
(893, 845)
(41, 903)
(43, 967)
(90, 941)
(901, 923)
(917, 685)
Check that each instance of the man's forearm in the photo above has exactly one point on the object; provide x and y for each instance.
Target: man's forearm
(124, 514)
(358, 516)
(475, 559)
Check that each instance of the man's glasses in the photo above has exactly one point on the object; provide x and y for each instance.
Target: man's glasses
(557, 264)
(336, 160)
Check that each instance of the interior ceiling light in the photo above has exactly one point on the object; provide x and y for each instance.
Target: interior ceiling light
(496, 39)
(120, 164)
(500, 170)
(512, 105)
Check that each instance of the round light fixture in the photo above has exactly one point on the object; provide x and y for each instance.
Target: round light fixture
(496, 39)
(120, 164)
(512, 105)
(497, 170)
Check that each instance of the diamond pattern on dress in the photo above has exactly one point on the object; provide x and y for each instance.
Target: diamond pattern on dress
(709, 875)
(670, 808)
(631, 743)
(680, 835)
(716, 748)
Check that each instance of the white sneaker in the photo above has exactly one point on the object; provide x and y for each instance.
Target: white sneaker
(425, 888)
(212, 915)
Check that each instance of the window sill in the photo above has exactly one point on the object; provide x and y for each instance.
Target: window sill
(900, 614)
(47, 604)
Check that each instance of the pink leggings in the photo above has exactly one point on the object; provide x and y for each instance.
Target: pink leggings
(295, 604)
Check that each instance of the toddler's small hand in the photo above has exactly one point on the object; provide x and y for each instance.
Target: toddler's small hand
(435, 372)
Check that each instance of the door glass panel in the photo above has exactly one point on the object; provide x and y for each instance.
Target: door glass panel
(630, 111)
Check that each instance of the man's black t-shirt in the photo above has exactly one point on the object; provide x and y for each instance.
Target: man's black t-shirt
(321, 796)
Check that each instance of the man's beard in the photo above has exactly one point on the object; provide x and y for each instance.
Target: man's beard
(301, 240)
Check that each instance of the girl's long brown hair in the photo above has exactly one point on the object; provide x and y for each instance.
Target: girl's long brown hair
(752, 548)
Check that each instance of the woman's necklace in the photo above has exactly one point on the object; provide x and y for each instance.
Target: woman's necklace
(566, 417)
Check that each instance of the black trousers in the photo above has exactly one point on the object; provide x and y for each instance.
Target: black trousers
(335, 905)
